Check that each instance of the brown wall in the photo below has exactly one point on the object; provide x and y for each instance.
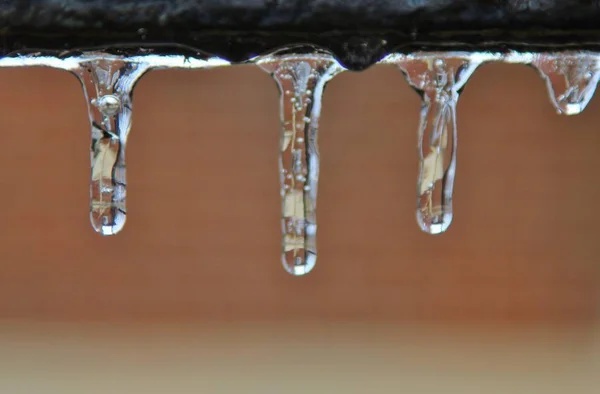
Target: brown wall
(202, 237)
(202, 240)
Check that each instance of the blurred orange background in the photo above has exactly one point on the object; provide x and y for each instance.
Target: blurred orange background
(198, 267)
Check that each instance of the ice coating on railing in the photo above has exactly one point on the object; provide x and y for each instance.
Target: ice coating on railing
(301, 74)
(301, 80)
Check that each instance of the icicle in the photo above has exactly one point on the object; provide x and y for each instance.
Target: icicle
(571, 79)
(438, 79)
(301, 80)
(108, 82)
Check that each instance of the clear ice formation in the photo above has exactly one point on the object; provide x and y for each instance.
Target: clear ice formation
(108, 85)
(438, 79)
(301, 74)
(301, 80)
(571, 79)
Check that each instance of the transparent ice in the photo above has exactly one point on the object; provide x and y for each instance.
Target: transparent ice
(438, 79)
(108, 83)
(301, 80)
(108, 86)
(571, 78)
(301, 74)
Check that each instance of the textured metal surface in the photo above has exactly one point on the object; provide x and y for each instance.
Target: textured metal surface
(358, 32)
(315, 15)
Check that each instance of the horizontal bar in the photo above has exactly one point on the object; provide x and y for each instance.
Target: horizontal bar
(358, 32)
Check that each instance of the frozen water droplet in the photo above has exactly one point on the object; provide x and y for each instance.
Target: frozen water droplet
(305, 76)
(438, 79)
(109, 105)
(108, 82)
(571, 79)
